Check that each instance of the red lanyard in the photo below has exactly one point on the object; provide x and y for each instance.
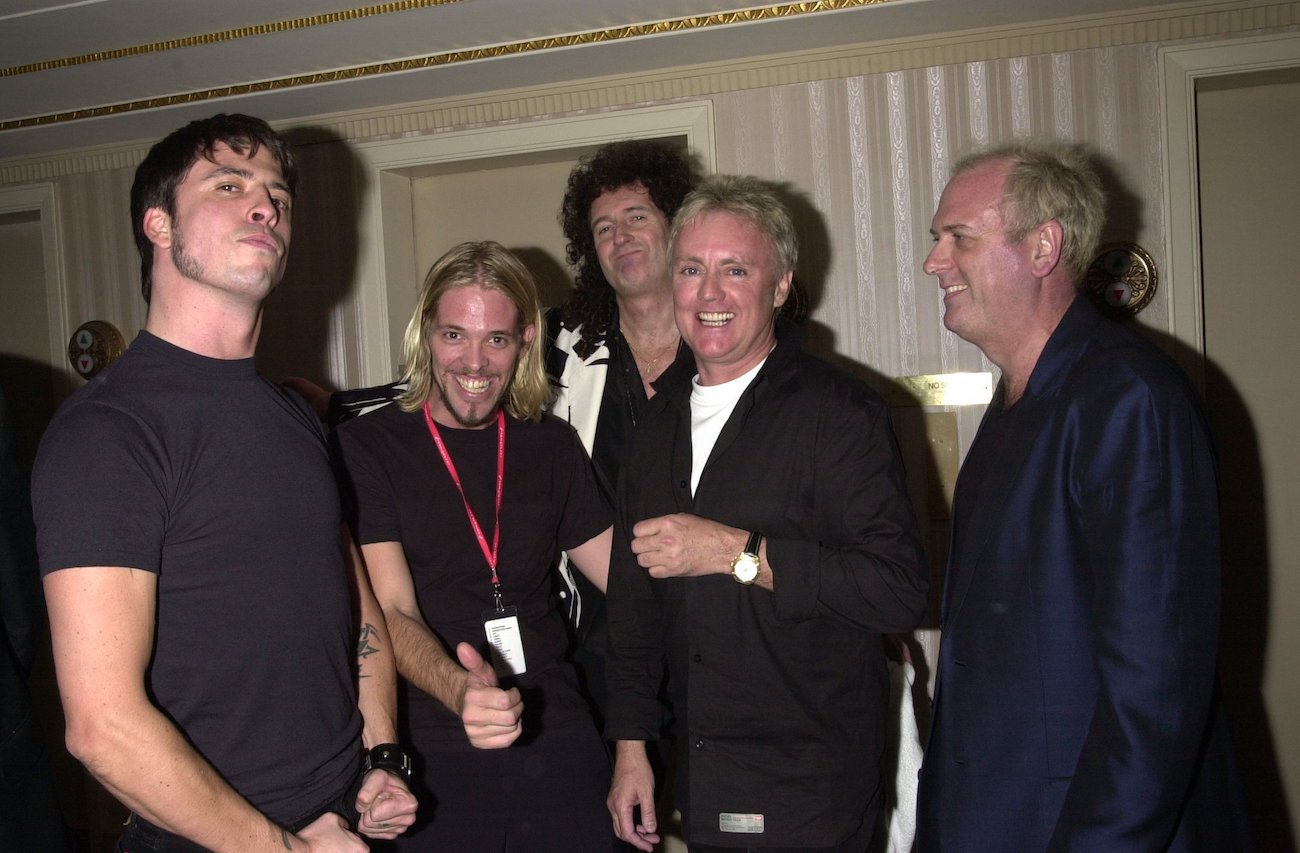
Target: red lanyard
(490, 554)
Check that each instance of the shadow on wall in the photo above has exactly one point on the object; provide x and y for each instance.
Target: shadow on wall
(1123, 207)
(1245, 549)
(554, 283)
(912, 426)
(323, 257)
(35, 390)
(1243, 644)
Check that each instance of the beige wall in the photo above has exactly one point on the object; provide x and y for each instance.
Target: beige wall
(26, 332)
(516, 204)
(865, 156)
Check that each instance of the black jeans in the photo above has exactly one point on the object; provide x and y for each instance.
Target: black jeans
(141, 836)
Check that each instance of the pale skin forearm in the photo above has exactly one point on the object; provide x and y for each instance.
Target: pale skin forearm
(467, 686)
(376, 683)
(153, 771)
(417, 653)
(632, 788)
(385, 805)
(422, 660)
(683, 545)
(102, 623)
(376, 665)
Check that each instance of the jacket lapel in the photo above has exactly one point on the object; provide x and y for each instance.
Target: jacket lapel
(1063, 350)
(990, 513)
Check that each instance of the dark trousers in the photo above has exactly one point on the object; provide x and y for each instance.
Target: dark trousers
(546, 796)
(141, 836)
(859, 842)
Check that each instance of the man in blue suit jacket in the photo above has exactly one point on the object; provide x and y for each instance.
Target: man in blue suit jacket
(1075, 707)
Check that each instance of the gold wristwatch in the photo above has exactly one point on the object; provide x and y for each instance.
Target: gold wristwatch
(745, 567)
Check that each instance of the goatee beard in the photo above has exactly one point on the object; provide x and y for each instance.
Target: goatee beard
(466, 422)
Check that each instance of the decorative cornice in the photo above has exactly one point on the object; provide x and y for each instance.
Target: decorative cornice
(1201, 19)
(225, 36)
(612, 34)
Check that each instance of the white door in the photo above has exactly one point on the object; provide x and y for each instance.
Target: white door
(1247, 125)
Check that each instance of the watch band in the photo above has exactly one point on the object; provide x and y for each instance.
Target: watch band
(755, 540)
(390, 757)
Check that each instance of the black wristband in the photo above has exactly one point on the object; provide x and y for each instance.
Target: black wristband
(390, 757)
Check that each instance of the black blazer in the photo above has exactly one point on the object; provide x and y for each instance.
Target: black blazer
(1081, 617)
(779, 697)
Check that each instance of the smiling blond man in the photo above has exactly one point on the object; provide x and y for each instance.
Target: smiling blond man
(465, 491)
(764, 544)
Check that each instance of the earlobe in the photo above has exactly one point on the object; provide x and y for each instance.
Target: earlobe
(158, 226)
(782, 290)
(1047, 248)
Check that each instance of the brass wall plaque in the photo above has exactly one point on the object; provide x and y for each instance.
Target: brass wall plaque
(95, 345)
(1122, 279)
(941, 389)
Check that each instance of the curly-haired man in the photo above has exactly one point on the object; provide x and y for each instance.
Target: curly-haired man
(615, 341)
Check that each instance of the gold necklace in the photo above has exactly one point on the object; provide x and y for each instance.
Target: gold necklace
(647, 367)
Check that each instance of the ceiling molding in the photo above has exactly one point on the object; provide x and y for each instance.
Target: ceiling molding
(457, 57)
(300, 23)
(1193, 20)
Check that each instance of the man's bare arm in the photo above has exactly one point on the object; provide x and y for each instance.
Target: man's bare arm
(102, 622)
(631, 788)
(491, 716)
(683, 545)
(385, 805)
(592, 558)
(376, 664)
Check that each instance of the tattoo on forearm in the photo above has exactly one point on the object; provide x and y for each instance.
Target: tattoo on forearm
(366, 647)
(284, 839)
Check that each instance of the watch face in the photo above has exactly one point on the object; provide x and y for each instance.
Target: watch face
(745, 568)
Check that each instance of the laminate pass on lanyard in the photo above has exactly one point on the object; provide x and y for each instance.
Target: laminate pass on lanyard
(500, 624)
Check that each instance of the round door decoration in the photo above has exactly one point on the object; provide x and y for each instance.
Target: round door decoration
(95, 345)
(1122, 279)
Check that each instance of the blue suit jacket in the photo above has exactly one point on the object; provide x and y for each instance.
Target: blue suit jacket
(1081, 614)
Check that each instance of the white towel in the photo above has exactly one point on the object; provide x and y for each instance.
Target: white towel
(900, 803)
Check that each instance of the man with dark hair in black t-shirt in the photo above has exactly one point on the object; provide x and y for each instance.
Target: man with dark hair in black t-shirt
(464, 493)
(189, 531)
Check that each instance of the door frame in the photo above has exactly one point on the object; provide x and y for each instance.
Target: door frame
(389, 281)
(1180, 68)
(41, 199)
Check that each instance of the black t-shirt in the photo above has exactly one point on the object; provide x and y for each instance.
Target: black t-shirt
(218, 481)
(550, 502)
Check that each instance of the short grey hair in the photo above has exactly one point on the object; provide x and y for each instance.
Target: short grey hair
(747, 198)
(1047, 180)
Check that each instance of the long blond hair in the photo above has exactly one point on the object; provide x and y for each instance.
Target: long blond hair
(486, 264)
